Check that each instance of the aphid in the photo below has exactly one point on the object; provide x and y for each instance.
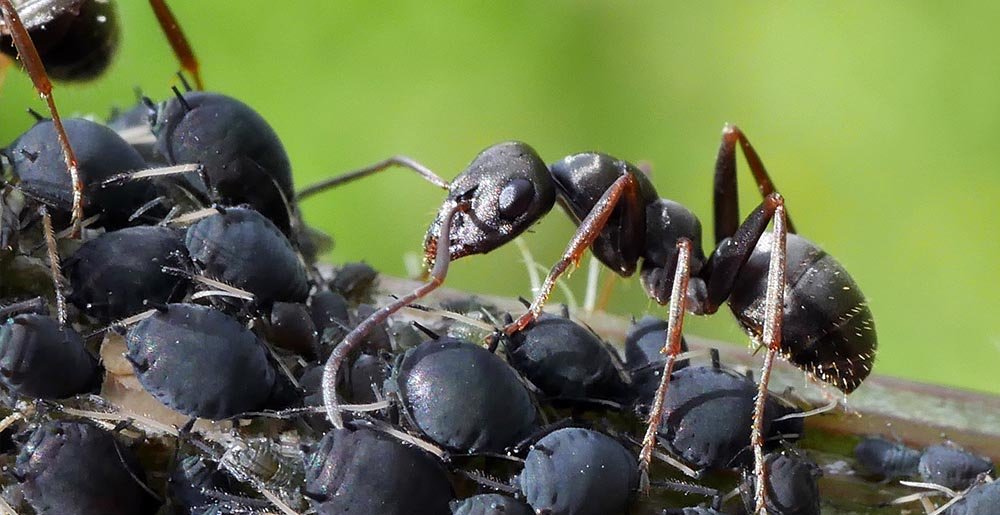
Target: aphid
(203, 363)
(76, 38)
(464, 397)
(643, 358)
(818, 319)
(880, 457)
(490, 504)
(240, 155)
(708, 413)
(69, 467)
(952, 467)
(258, 460)
(242, 248)
(578, 471)
(792, 485)
(329, 310)
(355, 281)
(120, 273)
(981, 499)
(291, 327)
(365, 471)
(42, 359)
(567, 361)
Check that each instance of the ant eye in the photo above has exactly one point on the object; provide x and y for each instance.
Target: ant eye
(516, 198)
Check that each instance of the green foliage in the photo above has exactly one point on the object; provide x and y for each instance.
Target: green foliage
(877, 120)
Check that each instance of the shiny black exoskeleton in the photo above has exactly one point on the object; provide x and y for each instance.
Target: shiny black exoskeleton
(243, 159)
(242, 248)
(43, 360)
(464, 397)
(952, 467)
(580, 472)
(364, 471)
(70, 468)
(883, 458)
(643, 343)
(567, 361)
(120, 273)
(827, 326)
(203, 363)
(76, 39)
(37, 164)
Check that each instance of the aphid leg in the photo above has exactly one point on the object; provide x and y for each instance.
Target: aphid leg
(361, 173)
(588, 231)
(178, 42)
(774, 305)
(54, 265)
(671, 347)
(36, 70)
(727, 209)
(355, 337)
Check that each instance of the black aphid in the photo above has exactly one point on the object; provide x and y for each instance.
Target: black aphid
(883, 458)
(69, 468)
(490, 504)
(464, 397)
(580, 472)
(120, 273)
(950, 466)
(43, 360)
(203, 363)
(364, 471)
(792, 485)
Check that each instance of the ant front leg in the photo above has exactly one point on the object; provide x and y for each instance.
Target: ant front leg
(588, 231)
(36, 70)
(672, 347)
(726, 192)
(355, 337)
(178, 42)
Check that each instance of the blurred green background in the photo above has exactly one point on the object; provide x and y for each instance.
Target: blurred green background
(878, 122)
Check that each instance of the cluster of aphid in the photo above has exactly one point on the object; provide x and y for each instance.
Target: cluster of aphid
(182, 248)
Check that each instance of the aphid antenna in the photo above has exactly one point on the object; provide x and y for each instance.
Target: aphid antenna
(35, 114)
(458, 317)
(406, 438)
(184, 81)
(181, 99)
(142, 484)
(152, 173)
(146, 207)
(830, 406)
(224, 289)
(193, 216)
(281, 364)
(664, 457)
(426, 330)
(930, 486)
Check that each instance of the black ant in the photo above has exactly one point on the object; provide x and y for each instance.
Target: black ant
(74, 40)
(817, 319)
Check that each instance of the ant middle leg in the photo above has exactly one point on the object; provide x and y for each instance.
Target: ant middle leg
(726, 192)
(671, 347)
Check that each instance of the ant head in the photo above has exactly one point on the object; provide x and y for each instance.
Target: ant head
(507, 187)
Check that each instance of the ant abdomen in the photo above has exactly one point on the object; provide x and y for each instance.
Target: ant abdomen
(828, 329)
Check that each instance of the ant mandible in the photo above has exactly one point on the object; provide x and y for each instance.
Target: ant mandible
(80, 49)
(790, 296)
